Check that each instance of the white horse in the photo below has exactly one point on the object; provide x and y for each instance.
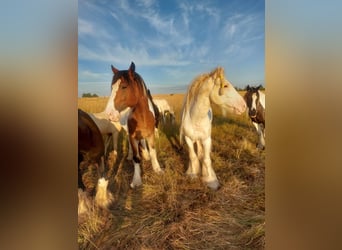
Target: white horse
(197, 117)
(164, 109)
(108, 123)
(256, 105)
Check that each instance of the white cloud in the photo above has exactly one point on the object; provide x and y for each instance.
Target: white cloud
(146, 3)
(121, 55)
(85, 27)
(92, 76)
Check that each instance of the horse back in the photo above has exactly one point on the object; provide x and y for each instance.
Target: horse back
(90, 141)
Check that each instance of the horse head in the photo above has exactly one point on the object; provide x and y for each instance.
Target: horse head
(252, 98)
(225, 95)
(127, 87)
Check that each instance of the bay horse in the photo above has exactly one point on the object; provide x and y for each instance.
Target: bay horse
(129, 91)
(255, 100)
(197, 117)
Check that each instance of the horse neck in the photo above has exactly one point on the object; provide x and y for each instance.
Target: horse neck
(262, 99)
(142, 104)
(200, 104)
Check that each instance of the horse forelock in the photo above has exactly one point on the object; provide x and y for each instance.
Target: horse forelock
(249, 94)
(138, 80)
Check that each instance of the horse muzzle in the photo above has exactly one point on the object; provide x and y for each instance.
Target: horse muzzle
(252, 113)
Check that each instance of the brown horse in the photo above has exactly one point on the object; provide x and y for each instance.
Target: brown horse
(90, 148)
(130, 92)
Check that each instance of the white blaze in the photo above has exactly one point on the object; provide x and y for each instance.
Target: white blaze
(110, 110)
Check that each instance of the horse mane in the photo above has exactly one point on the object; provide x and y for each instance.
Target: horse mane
(138, 79)
(198, 82)
(194, 88)
(141, 81)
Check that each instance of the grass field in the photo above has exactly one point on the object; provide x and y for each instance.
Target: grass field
(171, 211)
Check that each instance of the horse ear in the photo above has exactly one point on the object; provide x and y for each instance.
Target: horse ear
(248, 88)
(115, 70)
(260, 86)
(131, 71)
(132, 67)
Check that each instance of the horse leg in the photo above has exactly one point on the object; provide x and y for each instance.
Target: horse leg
(136, 162)
(106, 143)
(208, 172)
(130, 151)
(144, 152)
(115, 135)
(194, 164)
(259, 128)
(199, 150)
(153, 154)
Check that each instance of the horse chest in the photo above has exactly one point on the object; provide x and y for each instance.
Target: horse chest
(140, 124)
(198, 129)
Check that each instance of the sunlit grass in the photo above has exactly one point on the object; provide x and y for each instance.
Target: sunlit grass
(172, 211)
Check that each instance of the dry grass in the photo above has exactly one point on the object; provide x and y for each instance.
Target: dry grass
(171, 211)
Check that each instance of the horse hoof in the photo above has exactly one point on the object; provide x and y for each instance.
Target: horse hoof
(133, 185)
(192, 176)
(214, 185)
(160, 171)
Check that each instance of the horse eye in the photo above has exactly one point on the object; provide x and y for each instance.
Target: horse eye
(225, 86)
(123, 87)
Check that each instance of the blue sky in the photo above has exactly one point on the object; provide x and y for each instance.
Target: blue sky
(170, 42)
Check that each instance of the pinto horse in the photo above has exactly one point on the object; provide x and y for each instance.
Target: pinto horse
(165, 110)
(197, 117)
(255, 100)
(129, 91)
(90, 153)
(90, 147)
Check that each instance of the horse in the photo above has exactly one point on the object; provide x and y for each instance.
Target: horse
(197, 115)
(110, 126)
(255, 100)
(129, 91)
(109, 130)
(165, 110)
(90, 148)
(90, 154)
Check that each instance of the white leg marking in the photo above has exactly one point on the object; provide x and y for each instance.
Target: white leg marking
(259, 128)
(144, 151)
(154, 161)
(103, 197)
(137, 176)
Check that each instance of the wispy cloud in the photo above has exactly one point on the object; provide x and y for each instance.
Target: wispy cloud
(85, 27)
(180, 40)
(89, 76)
(120, 55)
